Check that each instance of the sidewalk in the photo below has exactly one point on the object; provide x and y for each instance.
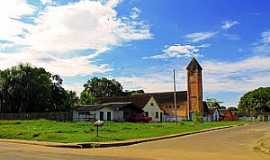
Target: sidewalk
(109, 144)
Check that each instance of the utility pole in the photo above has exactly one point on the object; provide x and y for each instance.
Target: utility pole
(174, 86)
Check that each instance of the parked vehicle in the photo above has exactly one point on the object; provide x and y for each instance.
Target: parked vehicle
(139, 118)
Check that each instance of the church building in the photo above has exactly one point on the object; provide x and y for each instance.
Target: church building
(160, 106)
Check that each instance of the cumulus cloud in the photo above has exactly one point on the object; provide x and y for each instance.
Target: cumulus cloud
(178, 50)
(239, 76)
(10, 12)
(154, 82)
(65, 67)
(218, 76)
(76, 87)
(59, 31)
(229, 24)
(135, 13)
(200, 36)
(83, 25)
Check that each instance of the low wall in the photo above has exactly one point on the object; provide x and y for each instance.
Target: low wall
(59, 116)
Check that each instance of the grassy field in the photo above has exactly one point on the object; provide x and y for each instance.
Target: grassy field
(45, 130)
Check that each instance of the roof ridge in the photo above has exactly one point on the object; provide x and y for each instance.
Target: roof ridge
(165, 92)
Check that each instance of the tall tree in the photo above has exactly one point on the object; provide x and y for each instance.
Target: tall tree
(213, 103)
(25, 88)
(256, 101)
(100, 87)
(87, 98)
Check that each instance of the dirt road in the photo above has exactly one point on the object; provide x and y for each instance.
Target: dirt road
(229, 144)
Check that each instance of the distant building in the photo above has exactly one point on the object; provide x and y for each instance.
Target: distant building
(114, 111)
(160, 106)
(229, 116)
(145, 102)
(214, 114)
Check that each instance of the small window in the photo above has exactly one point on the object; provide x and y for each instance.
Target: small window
(178, 106)
(151, 104)
(157, 114)
(146, 114)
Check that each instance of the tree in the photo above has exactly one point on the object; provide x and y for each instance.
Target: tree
(103, 87)
(133, 92)
(213, 103)
(24, 88)
(256, 101)
(87, 98)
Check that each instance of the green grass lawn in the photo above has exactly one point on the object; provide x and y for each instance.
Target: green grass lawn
(45, 130)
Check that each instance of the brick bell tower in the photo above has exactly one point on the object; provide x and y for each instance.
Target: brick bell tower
(195, 91)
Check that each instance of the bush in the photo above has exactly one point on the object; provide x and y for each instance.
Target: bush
(197, 117)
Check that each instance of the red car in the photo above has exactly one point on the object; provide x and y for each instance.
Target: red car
(139, 118)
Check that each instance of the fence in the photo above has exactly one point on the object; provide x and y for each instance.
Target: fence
(59, 116)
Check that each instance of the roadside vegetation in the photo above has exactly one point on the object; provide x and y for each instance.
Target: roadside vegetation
(67, 132)
(255, 102)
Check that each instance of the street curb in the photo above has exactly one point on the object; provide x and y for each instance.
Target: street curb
(136, 141)
(41, 143)
(111, 144)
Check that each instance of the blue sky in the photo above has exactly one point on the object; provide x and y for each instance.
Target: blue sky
(140, 42)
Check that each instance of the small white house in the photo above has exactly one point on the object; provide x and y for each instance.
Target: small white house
(85, 112)
(151, 109)
(114, 111)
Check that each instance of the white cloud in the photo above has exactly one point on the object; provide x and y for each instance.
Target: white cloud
(240, 76)
(77, 87)
(218, 76)
(154, 82)
(229, 24)
(266, 37)
(135, 13)
(263, 46)
(64, 67)
(6, 45)
(61, 30)
(83, 25)
(178, 50)
(200, 36)
(10, 12)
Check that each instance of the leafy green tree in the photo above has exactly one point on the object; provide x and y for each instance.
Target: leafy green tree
(87, 98)
(213, 103)
(256, 101)
(134, 92)
(24, 88)
(103, 87)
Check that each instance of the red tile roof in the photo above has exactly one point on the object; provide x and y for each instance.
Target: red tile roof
(141, 100)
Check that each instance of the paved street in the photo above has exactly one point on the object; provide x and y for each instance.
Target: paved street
(230, 144)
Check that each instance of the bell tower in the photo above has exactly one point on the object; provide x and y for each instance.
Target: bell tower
(195, 91)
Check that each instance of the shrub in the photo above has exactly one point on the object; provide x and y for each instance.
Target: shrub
(197, 117)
